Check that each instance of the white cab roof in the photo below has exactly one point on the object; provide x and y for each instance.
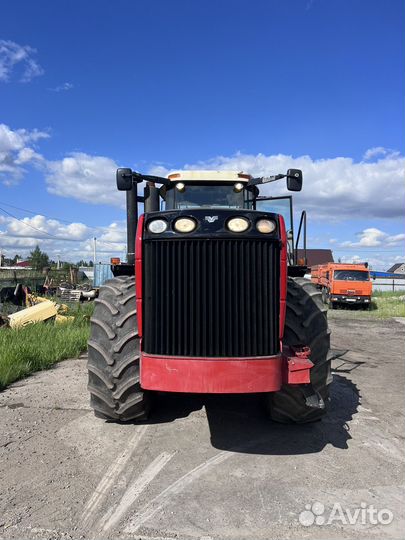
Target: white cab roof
(204, 175)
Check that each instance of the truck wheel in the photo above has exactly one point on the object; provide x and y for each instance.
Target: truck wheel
(113, 364)
(306, 324)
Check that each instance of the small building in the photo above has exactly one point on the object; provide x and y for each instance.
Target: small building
(23, 264)
(398, 268)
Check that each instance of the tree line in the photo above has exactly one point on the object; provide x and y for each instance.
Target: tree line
(38, 260)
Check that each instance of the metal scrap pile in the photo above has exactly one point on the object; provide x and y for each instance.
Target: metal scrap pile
(37, 309)
(43, 310)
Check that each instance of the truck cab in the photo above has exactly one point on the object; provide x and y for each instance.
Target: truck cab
(348, 284)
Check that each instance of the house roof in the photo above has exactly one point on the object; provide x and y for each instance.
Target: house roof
(317, 256)
(395, 267)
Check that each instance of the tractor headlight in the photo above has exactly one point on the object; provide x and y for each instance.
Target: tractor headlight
(157, 226)
(266, 226)
(185, 225)
(180, 187)
(238, 224)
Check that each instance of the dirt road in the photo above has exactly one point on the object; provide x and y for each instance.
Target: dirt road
(210, 467)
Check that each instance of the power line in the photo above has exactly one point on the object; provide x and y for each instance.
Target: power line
(53, 236)
(57, 219)
(34, 213)
(39, 230)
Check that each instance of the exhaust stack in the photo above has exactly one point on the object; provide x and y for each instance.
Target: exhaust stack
(128, 181)
(132, 221)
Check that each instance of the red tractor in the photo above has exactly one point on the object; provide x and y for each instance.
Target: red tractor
(212, 299)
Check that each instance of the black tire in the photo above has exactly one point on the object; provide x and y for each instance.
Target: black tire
(306, 325)
(113, 364)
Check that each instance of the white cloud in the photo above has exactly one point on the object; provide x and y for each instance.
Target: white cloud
(376, 261)
(379, 152)
(40, 227)
(62, 87)
(334, 189)
(17, 148)
(111, 240)
(396, 239)
(116, 232)
(71, 242)
(373, 237)
(14, 56)
(84, 177)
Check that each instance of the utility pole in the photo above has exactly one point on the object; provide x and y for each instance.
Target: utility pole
(94, 251)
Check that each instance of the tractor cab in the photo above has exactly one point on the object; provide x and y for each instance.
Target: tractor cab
(207, 189)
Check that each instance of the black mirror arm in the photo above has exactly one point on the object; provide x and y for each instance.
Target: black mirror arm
(265, 179)
(138, 178)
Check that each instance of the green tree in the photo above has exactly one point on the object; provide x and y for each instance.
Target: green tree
(38, 259)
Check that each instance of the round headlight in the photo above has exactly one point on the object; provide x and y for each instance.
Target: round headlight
(238, 187)
(185, 225)
(180, 187)
(238, 224)
(265, 226)
(157, 226)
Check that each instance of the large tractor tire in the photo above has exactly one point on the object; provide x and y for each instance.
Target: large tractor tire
(113, 365)
(305, 325)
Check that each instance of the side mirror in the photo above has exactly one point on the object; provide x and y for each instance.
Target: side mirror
(294, 180)
(124, 179)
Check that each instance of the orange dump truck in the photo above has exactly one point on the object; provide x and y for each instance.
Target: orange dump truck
(343, 283)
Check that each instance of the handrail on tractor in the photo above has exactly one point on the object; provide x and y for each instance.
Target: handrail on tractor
(303, 226)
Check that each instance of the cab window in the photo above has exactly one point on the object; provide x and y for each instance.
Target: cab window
(351, 275)
(207, 196)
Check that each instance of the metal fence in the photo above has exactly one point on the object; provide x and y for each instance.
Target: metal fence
(388, 284)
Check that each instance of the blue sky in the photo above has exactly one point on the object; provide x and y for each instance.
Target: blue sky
(156, 85)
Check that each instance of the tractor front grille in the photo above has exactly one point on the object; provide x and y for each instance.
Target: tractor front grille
(211, 297)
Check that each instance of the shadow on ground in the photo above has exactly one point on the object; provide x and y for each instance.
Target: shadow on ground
(238, 422)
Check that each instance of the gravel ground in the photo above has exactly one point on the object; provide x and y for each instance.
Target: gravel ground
(210, 467)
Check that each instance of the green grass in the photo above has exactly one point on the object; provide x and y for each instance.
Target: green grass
(39, 346)
(388, 294)
(385, 305)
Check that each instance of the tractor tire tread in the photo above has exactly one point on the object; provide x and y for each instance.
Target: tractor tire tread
(306, 324)
(113, 358)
